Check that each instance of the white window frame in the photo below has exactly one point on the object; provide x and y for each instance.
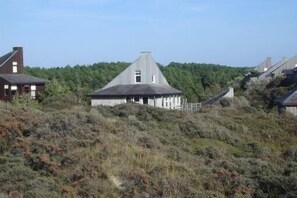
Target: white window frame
(33, 87)
(13, 87)
(33, 94)
(14, 69)
(14, 63)
(153, 78)
(6, 86)
(137, 73)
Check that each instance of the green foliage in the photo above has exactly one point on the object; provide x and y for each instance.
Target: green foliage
(197, 81)
(56, 89)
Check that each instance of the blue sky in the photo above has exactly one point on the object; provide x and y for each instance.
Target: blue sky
(70, 32)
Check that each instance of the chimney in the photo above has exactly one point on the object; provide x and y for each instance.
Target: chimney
(268, 62)
(144, 53)
(18, 57)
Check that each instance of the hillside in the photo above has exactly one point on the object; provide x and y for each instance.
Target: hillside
(139, 151)
(197, 81)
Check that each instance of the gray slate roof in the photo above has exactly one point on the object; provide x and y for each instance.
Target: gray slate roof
(22, 79)
(289, 99)
(137, 90)
(6, 57)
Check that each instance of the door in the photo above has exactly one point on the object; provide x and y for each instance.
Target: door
(145, 100)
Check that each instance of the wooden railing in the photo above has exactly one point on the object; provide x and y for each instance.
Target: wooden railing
(191, 106)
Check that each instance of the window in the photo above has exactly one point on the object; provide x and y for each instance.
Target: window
(13, 89)
(33, 87)
(33, 94)
(153, 78)
(14, 69)
(6, 90)
(33, 91)
(14, 63)
(137, 76)
(136, 99)
(26, 88)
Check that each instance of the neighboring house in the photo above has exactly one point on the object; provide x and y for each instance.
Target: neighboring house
(288, 102)
(264, 66)
(278, 68)
(13, 81)
(291, 75)
(142, 82)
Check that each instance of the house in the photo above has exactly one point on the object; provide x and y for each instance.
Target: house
(291, 75)
(13, 81)
(264, 66)
(288, 102)
(142, 82)
(278, 68)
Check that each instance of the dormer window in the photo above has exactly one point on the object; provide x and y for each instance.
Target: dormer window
(14, 67)
(137, 76)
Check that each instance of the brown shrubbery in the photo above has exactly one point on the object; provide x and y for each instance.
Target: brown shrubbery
(140, 151)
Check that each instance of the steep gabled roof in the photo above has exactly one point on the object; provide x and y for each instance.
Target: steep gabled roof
(137, 90)
(263, 66)
(148, 67)
(270, 70)
(289, 99)
(280, 66)
(6, 57)
(22, 79)
(152, 83)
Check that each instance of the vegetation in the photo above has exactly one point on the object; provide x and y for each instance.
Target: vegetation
(263, 94)
(68, 149)
(61, 147)
(197, 81)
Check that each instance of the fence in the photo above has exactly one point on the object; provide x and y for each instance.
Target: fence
(191, 106)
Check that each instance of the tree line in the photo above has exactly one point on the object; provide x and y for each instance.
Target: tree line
(197, 81)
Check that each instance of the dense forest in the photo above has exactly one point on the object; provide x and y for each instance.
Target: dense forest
(197, 81)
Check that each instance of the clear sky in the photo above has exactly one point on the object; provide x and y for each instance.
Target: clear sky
(70, 32)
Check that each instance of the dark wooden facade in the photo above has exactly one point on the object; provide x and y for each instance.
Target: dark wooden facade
(13, 81)
(16, 56)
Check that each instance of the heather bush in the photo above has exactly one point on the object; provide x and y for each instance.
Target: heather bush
(211, 152)
(140, 151)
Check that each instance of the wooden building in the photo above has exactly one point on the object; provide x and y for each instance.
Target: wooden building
(13, 81)
(142, 82)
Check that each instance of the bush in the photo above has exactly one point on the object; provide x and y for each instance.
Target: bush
(211, 152)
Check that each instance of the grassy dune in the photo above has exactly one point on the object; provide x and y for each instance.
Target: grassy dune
(140, 151)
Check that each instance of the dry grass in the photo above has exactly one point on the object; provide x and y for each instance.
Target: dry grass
(139, 151)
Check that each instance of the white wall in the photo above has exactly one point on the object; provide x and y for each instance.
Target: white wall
(292, 110)
(230, 93)
(108, 102)
(173, 102)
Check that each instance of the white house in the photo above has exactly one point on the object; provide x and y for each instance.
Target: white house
(142, 82)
